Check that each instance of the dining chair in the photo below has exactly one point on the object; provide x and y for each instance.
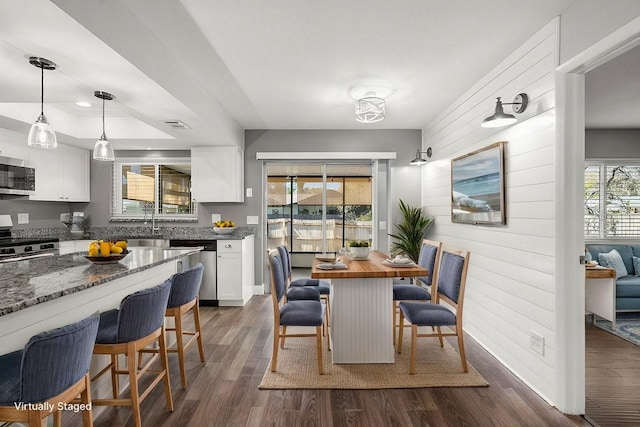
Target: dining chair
(429, 258)
(292, 313)
(138, 322)
(450, 289)
(323, 286)
(49, 372)
(182, 299)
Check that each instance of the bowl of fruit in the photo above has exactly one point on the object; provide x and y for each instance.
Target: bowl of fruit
(105, 251)
(224, 227)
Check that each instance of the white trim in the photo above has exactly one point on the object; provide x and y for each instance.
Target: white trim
(316, 155)
(570, 293)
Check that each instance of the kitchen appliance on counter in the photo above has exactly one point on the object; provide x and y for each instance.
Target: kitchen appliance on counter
(207, 256)
(16, 177)
(18, 249)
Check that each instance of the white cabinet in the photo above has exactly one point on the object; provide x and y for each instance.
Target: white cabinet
(217, 174)
(236, 274)
(62, 174)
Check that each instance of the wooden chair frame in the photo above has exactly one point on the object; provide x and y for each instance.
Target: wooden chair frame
(457, 308)
(36, 417)
(280, 331)
(177, 314)
(130, 350)
(432, 289)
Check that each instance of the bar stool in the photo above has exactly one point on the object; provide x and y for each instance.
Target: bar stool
(51, 370)
(136, 324)
(183, 298)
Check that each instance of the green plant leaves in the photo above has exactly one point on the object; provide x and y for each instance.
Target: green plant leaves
(411, 231)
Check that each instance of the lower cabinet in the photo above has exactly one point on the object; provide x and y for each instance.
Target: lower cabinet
(236, 274)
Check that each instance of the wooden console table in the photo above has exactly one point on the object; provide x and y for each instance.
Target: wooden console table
(600, 293)
(362, 308)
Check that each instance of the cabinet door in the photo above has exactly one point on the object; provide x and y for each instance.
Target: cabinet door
(61, 174)
(49, 166)
(217, 174)
(248, 268)
(229, 276)
(76, 175)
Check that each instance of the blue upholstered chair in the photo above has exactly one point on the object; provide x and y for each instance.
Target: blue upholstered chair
(138, 323)
(293, 313)
(450, 289)
(51, 369)
(182, 299)
(323, 286)
(429, 258)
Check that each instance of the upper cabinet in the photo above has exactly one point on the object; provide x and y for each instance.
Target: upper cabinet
(217, 174)
(62, 174)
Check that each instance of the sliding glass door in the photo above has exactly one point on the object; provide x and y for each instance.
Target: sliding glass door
(318, 207)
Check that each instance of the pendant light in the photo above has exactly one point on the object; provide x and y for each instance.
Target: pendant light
(370, 109)
(41, 134)
(103, 150)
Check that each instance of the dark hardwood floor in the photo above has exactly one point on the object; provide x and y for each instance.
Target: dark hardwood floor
(612, 379)
(224, 390)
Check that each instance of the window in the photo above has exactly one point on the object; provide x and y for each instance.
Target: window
(611, 200)
(142, 188)
(296, 194)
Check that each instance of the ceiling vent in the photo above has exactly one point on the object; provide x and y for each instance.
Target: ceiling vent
(178, 124)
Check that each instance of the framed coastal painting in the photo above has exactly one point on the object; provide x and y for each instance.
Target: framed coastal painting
(477, 186)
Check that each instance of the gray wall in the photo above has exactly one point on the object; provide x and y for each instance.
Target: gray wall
(403, 180)
(612, 144)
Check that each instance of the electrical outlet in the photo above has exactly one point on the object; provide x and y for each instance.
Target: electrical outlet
(536, 342)
(23, 218)
(252, 219)
(382, 225)
(215, 218)
(249, 192)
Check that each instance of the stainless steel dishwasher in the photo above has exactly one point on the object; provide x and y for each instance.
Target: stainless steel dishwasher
(207, 256)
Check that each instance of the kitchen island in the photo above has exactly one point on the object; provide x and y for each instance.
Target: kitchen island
(362, 308)
(44, 293)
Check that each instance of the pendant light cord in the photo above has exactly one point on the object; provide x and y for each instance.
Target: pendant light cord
(42, 91)
(103, 134)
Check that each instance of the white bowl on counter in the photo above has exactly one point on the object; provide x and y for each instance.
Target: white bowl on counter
(224, 230)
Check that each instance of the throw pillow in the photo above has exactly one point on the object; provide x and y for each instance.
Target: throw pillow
(587, 255)
(613, 260)
(636, 265)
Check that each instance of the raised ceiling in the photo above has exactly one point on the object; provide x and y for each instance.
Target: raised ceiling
(227, 65)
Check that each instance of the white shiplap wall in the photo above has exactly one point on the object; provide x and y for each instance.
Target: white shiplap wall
(511, 279)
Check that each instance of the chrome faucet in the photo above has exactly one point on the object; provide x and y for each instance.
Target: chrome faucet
(152, 207)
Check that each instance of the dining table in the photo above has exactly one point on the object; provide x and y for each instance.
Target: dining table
(362, 310)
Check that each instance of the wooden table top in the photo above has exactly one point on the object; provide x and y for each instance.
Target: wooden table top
(371, 267)
(599, 273)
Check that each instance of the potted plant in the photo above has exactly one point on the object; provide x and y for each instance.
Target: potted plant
(360, 248)
(411, 231)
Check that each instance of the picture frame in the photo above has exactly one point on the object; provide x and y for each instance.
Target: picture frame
(478, 187)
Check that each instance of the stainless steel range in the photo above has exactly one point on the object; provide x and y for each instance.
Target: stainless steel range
(12, 249)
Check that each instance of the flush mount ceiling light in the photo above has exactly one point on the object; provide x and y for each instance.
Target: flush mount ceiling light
(370, 109)
(500, 118)
(419, 160)
(41, 134)
(103, 150)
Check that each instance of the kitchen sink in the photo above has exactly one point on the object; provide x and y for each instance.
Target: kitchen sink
(148, 242)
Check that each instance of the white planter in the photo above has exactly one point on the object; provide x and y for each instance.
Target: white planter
(360, 252)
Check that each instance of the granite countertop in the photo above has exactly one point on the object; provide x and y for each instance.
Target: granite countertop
(133, 232)
(29, 282)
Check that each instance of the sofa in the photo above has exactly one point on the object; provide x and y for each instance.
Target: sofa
(627, 286)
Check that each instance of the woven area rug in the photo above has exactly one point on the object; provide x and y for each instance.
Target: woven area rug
(436, 367)
(627, 326)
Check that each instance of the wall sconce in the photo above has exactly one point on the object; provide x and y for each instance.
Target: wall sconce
(419, 160)
(500, 118)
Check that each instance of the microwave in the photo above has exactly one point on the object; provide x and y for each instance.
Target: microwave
(16, 177)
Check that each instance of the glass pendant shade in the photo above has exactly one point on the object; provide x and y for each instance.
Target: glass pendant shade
(370, 109)
(41, 134)
(103, 150)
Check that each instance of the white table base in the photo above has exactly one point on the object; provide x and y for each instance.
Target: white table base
(361, 320)
(600, 298)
